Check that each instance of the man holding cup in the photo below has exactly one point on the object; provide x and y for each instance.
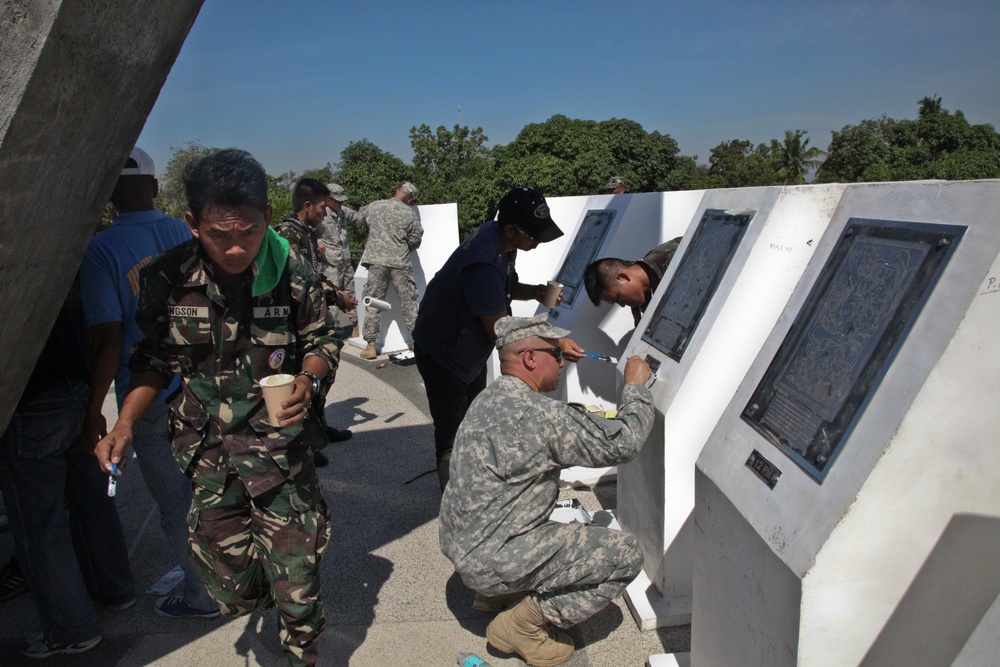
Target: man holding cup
(453, 337)
(224, 311)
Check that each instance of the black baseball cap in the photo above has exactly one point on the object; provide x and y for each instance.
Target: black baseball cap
(526, 209)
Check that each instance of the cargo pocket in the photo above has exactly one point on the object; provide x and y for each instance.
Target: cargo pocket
(308, 540)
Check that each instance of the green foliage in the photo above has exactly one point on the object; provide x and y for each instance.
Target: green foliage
(938, 144)
(794, 157)
(279, 195)
(565, 156)
(172, 199)
(738, 164)
(368, 173)
(446, 156)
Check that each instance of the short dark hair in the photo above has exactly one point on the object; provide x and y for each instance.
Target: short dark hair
(308, 190)
(231, 177)
(598, 275)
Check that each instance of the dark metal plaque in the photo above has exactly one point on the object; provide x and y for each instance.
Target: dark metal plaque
(698, 275)
(584, 250)
(763, 468)
(843, 340)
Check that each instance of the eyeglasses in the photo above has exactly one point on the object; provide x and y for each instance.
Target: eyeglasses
(554, 351)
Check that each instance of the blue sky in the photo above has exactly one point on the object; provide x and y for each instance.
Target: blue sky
(295, 81)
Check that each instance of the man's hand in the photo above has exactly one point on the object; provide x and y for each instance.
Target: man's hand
(112, 447)
(293, 408)
(95, 427)
(571, 351)
(348, 300)
(637, 371)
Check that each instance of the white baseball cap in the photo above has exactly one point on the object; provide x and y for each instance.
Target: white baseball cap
(139, 164)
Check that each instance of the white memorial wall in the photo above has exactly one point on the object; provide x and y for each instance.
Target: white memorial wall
(847, 504)
(741, 257)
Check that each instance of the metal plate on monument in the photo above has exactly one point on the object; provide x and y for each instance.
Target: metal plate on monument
(584, 250)
(844, 338)
(699, 273)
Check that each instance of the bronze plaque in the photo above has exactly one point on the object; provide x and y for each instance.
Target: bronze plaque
(843, 340)
(698, 275)
(584, 250)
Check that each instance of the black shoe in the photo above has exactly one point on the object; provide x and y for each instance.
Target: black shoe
(337, 434)
(319, 458)
(12, 582)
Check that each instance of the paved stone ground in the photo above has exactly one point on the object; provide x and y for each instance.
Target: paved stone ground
(392, 598)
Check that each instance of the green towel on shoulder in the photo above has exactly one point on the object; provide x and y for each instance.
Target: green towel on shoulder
(269, 263)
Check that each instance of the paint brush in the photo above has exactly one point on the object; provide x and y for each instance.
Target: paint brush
(601, 357)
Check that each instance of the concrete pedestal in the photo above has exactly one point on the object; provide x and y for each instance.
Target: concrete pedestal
(656, 490)
(77, 82)
(884, 553)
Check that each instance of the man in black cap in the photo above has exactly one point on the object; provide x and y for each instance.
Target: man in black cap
(453, 336)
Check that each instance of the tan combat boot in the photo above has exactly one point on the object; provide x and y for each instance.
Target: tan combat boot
(369, 352)
(523, 630)
(355, 332)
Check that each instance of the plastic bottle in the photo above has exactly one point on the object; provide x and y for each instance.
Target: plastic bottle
(471, 660)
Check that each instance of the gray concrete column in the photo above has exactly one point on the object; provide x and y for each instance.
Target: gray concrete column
(78, 80)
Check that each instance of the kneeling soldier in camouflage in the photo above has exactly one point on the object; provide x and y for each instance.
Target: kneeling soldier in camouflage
(494, 522)
(224, 310)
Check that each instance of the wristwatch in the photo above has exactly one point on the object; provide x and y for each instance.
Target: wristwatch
(313, 378)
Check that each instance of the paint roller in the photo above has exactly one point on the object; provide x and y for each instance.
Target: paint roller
(377, 304)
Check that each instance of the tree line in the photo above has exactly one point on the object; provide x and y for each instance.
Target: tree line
(564, 157)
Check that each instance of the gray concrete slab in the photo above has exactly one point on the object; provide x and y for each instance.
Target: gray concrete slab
(391, 597)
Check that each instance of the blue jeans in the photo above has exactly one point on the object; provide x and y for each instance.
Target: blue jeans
(43, 473)
(171, 490)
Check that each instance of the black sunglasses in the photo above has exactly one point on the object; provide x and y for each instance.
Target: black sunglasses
(554, 351)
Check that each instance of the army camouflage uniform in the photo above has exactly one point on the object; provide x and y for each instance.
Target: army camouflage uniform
(339, 268)
(258, 521)
(394, 232)
(505, 466)
(655, 264)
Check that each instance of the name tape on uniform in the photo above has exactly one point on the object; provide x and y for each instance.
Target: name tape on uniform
(200, 312)
(263, 312)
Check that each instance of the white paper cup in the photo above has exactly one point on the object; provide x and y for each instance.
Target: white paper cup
(552, 292)
(276, 388)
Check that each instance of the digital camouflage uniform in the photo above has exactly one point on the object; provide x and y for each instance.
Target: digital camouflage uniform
(394, 232)
(259, 524)
(505, 467)
(655, 264)
(339, 268)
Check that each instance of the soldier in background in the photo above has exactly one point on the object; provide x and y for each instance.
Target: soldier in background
(337, 248)
(616, 185)
(223, 311)
(302, 229)
(619, 281)
(394, 232)
(505, 467)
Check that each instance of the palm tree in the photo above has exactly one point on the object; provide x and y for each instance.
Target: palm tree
(929, 106)
(794, 157)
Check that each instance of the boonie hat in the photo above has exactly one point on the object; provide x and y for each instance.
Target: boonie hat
(139, 164)
(615, 182)
(336, 192)
(410, 189)
(527, 210)
(512, 329)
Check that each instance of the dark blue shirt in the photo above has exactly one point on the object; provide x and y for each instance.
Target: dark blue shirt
(478, 280)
